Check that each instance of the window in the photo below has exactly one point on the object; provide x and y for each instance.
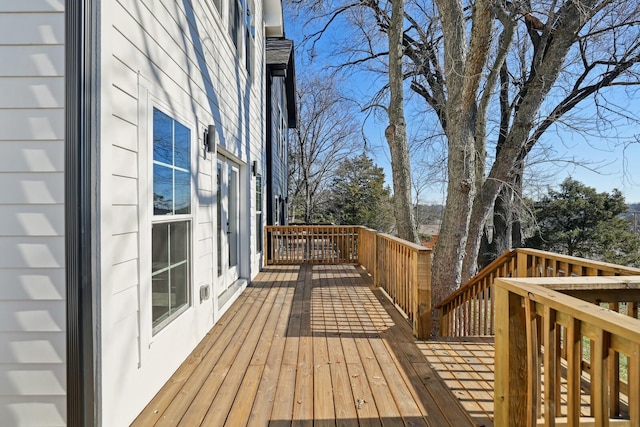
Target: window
(259, 213)
(235, 22)
(281, 134)
(219, 216)
(171, 224)
(250, 34)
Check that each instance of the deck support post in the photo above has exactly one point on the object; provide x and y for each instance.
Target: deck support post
(422, 277)
(510, 398)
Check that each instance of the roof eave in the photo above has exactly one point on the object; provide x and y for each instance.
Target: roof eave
(273, 18)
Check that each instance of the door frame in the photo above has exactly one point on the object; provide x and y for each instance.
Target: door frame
(229, 227)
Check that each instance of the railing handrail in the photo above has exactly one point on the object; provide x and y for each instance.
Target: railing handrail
(531, 316)
(485, 272)
(584, 262)
(507, 256)
(408, 244)
(464, 312)
(543, 290)
(401, 268)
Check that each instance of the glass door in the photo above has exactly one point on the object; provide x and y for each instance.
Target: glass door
(228, 217)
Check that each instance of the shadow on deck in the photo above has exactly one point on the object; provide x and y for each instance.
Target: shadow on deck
(309, 345)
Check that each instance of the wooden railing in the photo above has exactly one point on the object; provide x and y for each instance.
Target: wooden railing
(311, 244)
(401, 268)
(469, 310)
(541, 340)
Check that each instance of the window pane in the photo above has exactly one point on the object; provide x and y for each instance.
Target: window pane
(171, 166)
(162, 190)
(182, 192)
(258, 193)
(162, 137)
(259, 231)
(160, 297)
(235, 22)
(159, 247)
(179, 242)
(179, 287)
(219, 217)
(182, 146)
(171, 262)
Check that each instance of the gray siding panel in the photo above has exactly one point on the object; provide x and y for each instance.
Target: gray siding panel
(32, 28)
(32, 276)
(32, 61)
(31, 156)
(33, 411)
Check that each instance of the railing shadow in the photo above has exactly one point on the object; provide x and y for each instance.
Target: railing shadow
(340, 302)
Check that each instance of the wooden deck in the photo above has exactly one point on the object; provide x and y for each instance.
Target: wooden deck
(308, 345)
(467, 367)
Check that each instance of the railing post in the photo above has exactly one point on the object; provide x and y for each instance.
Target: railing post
(510, 403)
(521, 264)
(266, 247)
(422, 312)
(376, 277)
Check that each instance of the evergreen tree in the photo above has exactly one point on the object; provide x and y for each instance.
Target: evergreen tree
(579, 221)
(359, 195)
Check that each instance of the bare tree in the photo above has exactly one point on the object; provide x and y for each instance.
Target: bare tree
(327, 133)
(498, 75)
(396, 131)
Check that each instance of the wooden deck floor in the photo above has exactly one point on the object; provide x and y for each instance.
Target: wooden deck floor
(466, 365)
(309, 346)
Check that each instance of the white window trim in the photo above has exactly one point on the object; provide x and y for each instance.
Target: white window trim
(147, 101)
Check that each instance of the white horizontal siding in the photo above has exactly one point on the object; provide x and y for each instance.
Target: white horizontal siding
(31, 124)
(32, 277)
(32, 316)
(32, 28)
(32, 6)
(124, 275)
(32, 61)
(31, 220)
(34, 347)
(32, 92)
(38, 380)
(31, 156)
(33, 411)
(32, 284)
(151, 58)
(32, 188)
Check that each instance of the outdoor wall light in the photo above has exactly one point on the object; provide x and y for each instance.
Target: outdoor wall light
(209, 139)
(254, 168)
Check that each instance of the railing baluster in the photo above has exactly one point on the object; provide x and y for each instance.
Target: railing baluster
(613, 370)
(533, 363)
(574, 368)
(551, 367)
(598, 380)
(634, 385)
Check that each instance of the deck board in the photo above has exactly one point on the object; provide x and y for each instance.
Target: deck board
(307, 345)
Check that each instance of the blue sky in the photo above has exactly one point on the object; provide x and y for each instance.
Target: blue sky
(606, 159)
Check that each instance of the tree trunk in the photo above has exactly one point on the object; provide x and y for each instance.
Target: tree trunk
(503, 220)
(463, 64)
(396, 132)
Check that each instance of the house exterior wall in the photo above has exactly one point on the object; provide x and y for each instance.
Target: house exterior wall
(175, 55)
(32, 266)
(278, 150)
